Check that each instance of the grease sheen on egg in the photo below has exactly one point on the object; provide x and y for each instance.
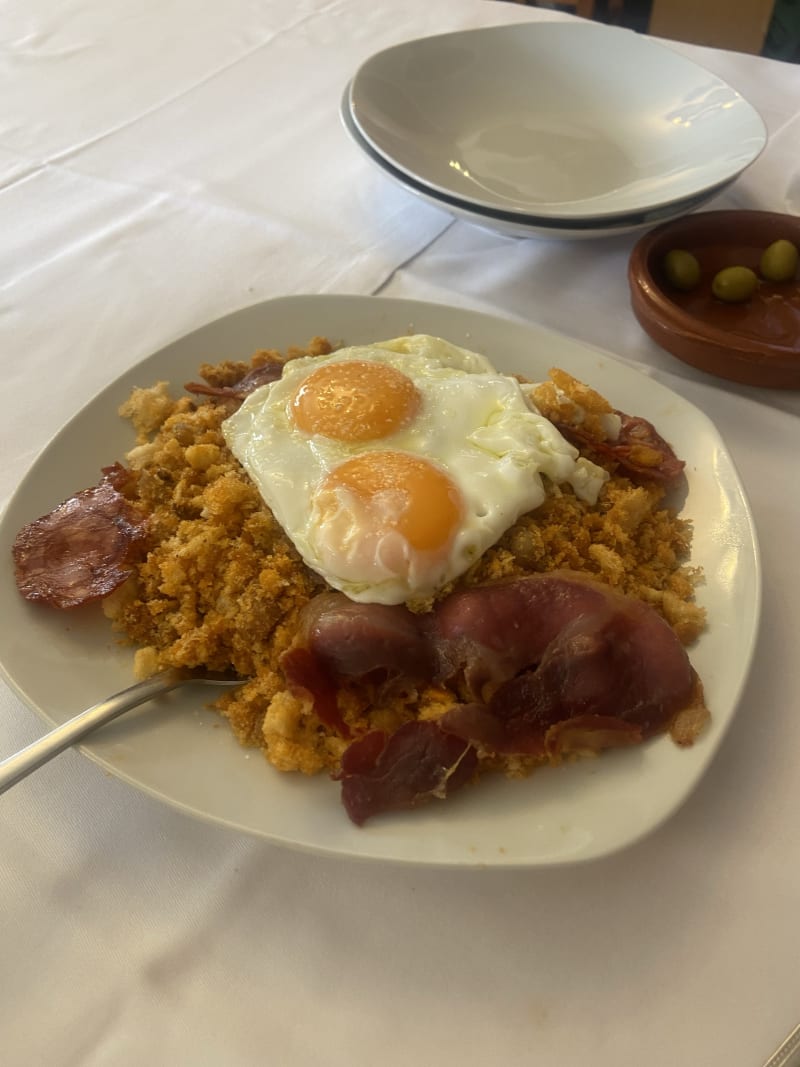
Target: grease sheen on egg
(392, 467)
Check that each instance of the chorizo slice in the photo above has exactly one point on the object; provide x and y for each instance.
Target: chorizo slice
(82, 550)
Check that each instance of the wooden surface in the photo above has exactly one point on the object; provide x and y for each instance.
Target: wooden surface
(740, 27)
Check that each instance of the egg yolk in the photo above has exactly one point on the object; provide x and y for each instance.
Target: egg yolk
(355, 401)
(399, 492)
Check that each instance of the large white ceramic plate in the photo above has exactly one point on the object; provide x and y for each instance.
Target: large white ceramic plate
(514, 224)
(60, 663)
(558, 120)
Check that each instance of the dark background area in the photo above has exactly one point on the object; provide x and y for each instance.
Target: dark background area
(782, 40)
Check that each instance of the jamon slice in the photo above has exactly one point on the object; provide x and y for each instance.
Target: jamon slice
(254, 379)
(415, 764)
(639, 450)
(309, 673)
(615, 664)
(556, 645)
(549, 664)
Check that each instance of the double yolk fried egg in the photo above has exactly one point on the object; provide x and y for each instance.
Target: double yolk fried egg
(392, 467)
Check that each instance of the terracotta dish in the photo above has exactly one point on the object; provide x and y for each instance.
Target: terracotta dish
(757, 341)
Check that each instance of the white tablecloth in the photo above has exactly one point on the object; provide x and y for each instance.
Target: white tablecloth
(163, 163)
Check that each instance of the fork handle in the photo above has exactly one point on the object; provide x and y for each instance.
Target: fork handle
(38, 752)
(788, 1055)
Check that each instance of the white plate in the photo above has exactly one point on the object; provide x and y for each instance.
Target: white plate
(517, 225)
(556, 120)
(60, 663)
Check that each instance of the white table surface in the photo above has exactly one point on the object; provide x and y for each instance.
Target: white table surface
(162, 163)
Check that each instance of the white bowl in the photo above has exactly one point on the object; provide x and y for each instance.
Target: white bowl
(515, 224)
(554, 120)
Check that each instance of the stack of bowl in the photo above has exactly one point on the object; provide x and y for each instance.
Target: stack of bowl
(555, 129)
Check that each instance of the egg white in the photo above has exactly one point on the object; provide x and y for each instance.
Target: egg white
(475, 423)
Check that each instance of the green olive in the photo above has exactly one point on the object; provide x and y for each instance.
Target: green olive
(734, 284)
(681, 269)
(779, 261)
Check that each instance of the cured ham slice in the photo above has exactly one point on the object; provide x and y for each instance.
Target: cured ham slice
(549, 665)
(415, 764)
(639, 449)
(254, 379)
(304, 670)
(490, 633)
(83, 549)
(588, 643)
(619, 661)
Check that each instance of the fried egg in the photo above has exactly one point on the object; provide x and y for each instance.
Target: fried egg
(392, 467)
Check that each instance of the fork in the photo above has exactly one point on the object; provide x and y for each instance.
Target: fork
(788, 1055)
(75, 729)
